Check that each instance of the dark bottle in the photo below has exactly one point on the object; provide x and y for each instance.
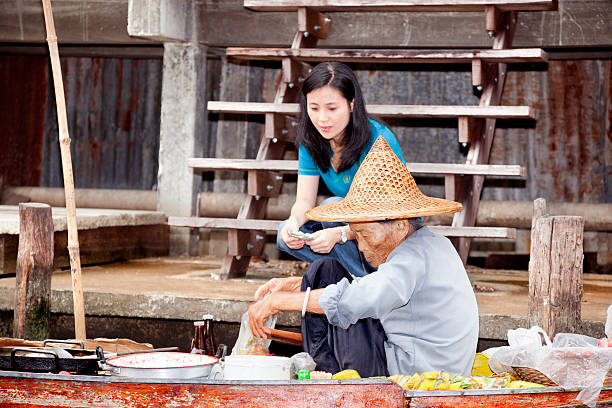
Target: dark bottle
(210, 348)
(197, 343)
(204, 340)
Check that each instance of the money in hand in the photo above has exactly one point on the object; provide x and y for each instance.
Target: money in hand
(302, 235)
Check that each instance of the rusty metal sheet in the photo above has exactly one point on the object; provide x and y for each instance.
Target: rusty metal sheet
(567, 150)
(113, 109)
(23, 81)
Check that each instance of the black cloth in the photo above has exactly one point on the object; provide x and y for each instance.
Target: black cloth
(360, 347)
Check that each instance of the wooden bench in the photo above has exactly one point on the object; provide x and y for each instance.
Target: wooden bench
(393, 56)
(401, 5)
(291, 166)
(272, 225)
(404, 111)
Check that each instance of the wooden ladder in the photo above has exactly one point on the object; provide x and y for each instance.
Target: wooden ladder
(476, 124)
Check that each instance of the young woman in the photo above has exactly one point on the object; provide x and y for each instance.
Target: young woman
(334, 136)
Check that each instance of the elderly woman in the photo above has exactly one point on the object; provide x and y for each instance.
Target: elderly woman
(416, 313)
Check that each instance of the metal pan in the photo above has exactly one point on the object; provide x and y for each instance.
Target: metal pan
(167, 365)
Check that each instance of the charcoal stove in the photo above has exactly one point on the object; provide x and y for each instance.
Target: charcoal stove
(48, 359)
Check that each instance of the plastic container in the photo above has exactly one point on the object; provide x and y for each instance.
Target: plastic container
(248, 367)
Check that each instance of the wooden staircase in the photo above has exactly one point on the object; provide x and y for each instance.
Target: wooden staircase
(476, 124)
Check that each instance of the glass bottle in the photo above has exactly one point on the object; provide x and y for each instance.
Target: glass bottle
(209, 346)
(197, 343)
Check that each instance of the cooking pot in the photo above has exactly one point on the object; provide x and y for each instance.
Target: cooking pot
(168, 364)
(251, 367)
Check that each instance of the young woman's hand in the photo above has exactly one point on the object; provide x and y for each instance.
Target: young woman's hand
(278, 284)
(291, 226)
(324, 240)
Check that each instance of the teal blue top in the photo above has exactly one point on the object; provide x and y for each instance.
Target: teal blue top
(339, 183)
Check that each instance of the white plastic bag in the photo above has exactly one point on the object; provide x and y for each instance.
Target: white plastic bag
(528, 338)
(247, 343)
(571, 360)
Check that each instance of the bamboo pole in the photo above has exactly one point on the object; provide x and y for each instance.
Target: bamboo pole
(64, 139)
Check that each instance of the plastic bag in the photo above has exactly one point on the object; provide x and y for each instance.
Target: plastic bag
(528, 338)
(571, 360)
(247, 343)
(302, 361)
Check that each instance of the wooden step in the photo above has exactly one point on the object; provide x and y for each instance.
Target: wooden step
(391, 56)
(272, 225)
(406, 111)
(291, 166)
(400, 5)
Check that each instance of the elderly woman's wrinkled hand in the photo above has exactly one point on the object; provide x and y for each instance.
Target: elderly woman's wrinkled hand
(258, 314)
(291, 284)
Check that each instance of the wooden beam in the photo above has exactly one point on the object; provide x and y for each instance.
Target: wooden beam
(492, 14)
(478, 73)
(400, 5)
(390, 56)
(245, 242)
(264, 183)
(272, 225)
(312, 22)
(32, 312)
(406, 111)
(468, 127)
(291, 166)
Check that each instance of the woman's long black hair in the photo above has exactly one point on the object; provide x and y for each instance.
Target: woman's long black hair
(340, 77)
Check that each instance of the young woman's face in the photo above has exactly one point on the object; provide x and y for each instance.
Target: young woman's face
(329, 112)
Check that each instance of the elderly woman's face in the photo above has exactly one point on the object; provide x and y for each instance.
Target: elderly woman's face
(378, 239)
(329, 112)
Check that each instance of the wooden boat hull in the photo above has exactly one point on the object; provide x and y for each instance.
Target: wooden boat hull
(56, 390)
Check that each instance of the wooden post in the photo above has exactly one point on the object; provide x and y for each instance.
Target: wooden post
(64, 139)
(34, 268)
(555, 271)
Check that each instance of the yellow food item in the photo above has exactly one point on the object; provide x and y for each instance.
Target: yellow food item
(427, 385)
(430, 375)
(400, 379)
(345, 374)
(442, 380)
(442, 385)
(524, 384)
(414, 382)
(481, 365)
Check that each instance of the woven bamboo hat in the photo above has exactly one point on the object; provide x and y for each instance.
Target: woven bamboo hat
(382, 189)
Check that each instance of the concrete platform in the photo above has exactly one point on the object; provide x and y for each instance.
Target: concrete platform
(87, 218)
(105, 235)
(182, 289)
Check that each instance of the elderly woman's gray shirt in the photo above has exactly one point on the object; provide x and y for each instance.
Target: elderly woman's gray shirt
(424, 300)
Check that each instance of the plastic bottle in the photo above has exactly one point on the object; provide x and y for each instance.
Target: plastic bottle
(210, 346)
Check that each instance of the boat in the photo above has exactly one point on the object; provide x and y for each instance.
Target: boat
(27, 389)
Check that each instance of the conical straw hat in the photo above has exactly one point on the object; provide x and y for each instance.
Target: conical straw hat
(382, 189)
